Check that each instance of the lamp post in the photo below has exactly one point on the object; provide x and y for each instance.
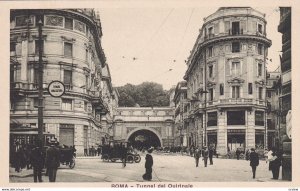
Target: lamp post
(40, 85)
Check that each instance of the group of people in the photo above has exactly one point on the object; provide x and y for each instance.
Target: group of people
(207, 153)
(93, 151)
(38, 158)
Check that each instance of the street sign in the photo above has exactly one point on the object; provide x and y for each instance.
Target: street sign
(289, 124)
(56, 88)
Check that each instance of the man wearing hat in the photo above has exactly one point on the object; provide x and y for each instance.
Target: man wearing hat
(148, 165)
(205, 155)
(254, 161)
(52, 160)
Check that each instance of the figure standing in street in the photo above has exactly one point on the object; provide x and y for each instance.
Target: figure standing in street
(52, 160)
(197, 155)
(124, 155)
(254, 161)
(210, 155)
(37, 159)
(148, 165)
(275, 163)
(238, 153)
(205, 155)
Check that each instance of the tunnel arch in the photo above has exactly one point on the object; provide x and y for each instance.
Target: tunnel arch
(148, 133)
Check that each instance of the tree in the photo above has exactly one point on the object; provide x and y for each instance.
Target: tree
(146, 94)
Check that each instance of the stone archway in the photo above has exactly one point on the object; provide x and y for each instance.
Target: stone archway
(144, 138)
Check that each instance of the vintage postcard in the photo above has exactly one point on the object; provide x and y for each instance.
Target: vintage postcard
(123, 94)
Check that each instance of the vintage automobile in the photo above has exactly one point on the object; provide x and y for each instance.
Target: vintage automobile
(113, 152)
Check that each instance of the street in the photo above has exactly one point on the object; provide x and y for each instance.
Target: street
(167, 168)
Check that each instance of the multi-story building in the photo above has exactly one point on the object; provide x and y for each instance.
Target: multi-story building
(272, 96)
(226, 80)
(285, 100)
(180, 133)
(72, 54)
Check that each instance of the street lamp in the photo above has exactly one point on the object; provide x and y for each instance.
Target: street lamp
(40, 84)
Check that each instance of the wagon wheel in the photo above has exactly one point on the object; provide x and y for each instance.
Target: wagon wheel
(137, 158)
(105, 157)
(72, 163)
(113, 160)
(130, 158)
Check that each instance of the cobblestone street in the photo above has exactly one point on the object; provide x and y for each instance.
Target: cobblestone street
(167, 168)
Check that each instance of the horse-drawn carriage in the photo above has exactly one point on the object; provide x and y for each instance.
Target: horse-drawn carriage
(116, 150)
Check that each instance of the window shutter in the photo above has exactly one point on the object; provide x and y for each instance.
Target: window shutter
(227, 26)
(217, 28)
(243, 27)
(254, 26)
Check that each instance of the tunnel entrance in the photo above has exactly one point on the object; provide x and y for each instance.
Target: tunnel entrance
(144, 139)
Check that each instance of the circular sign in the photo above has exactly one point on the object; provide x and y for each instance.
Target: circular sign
(56, 88)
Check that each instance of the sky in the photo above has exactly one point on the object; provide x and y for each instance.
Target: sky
(152, 44)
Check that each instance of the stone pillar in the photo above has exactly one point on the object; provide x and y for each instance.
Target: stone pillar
(250, 130)
(78, 139)
(222, 133)
(24, 64)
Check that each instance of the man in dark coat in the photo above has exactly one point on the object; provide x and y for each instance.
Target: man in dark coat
(197, 155)
(148, 165)
(238, 153)
(254, 161)
(210, 155)
(52, 161)
(205, 155)
(275, 163)
(124, 155)
(37, 160)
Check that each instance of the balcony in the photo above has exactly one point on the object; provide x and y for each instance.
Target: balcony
(235, 35)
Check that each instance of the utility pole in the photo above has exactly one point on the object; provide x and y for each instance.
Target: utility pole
(40, 85)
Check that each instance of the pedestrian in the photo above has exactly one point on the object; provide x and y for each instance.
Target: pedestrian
(205, 155)
(238, 153)
(254, 161)
(52, 160)
(210, 155)
(247, 154)
(124, 155)
(148, 165)
(275, 163)
(197, 155)
(37, 159)
(99, 150)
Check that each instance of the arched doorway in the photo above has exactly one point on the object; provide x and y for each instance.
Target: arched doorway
(144, 139)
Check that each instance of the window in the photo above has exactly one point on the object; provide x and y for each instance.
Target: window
(260, 93)
(235, 68)
(37, 47)
(69, 23)
(236, 117)
(235, 28)
(211, 94)
(259, 69)
(35, 76)
(210, 71)
(212, 119)
(86, 55)
(66, 104)
(12, 47)
(235, 91)
(68, 78)
(85, 106)
(68, 49)
(210, 51)
(269, 94)
(210, 32)
(250, 88)
(222, 89)
(259, 118)
(259, 28)
(235, 47)
(35, 102)
(86, 81)
(260, 49)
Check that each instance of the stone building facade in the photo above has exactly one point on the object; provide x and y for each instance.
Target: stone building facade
(226, 80)
(180, 100)
(72, 54)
